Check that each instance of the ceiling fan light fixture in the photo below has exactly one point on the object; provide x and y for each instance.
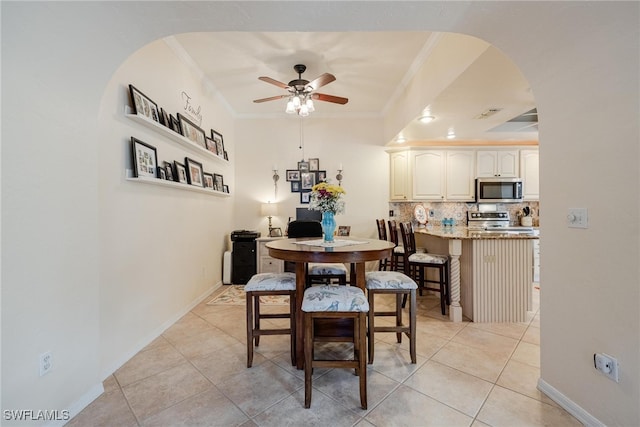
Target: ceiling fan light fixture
(290, 108)
(304, 110)
(310, 106)
(296, 101)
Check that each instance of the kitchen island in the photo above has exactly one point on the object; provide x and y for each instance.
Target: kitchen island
(491, 271)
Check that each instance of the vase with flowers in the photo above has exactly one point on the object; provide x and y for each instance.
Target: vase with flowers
(327, 198)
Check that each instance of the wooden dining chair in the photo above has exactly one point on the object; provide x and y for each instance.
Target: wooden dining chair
(402, 286)
(317, 272)
(417, 263)
(335, 302)
(265, 284)
(397, 256)
(382, 235)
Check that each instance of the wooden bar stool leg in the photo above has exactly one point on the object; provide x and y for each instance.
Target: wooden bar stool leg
(249, 298)
(256, 318)
(308, 358)
(399, 316)
(362, 364)
(370, 329)
(292, 325)
(412, 325)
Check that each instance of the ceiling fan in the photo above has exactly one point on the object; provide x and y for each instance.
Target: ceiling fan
(302, 92)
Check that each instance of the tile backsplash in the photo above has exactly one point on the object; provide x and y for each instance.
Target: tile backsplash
(436, 211)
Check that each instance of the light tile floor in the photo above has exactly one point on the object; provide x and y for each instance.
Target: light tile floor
(195, 374)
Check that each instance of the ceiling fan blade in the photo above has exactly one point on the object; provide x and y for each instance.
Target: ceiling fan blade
(272, 98)
(329, 98)
(324, 79)
(274, 82)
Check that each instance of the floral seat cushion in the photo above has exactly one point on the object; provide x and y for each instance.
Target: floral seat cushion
(271, 282)
(398, 250)
(326, 268)
(427, 258)
(389, 280)
(334, 298)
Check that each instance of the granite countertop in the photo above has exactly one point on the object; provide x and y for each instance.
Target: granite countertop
(462, 232)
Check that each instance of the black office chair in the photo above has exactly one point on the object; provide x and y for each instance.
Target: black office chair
(316, 272)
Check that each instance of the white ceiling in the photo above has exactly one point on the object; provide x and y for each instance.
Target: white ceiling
(372, 70)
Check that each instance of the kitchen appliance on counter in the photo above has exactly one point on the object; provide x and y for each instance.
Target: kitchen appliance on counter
(494, 222)
(498, 190)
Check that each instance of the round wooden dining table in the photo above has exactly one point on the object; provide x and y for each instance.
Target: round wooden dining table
(352, 250)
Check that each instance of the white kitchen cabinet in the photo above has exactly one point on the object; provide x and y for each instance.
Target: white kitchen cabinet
(428, 173)
(529, 172)
(267, 264)
(460, 173)
(399, 175)
(490, 163)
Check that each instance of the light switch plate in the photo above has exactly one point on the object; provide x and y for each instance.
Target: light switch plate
(577, 218)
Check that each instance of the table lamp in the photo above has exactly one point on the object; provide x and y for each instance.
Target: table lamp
(269, 210)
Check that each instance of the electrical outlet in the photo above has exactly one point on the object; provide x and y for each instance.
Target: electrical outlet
(46, 363)
(390, 213)
(607, 365)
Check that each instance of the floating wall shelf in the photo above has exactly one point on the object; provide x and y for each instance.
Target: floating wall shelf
(171, 135)
(172, 184)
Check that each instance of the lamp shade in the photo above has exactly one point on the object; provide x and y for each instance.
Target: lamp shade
(269, 209)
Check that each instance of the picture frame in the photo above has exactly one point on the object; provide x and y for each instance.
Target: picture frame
(175, 124)
(208, 180)
(143, 105)
(164, 118)
(211, 145)
(168, 167)
(293, 175)
(225, 189)
(226, 157)
(162, 173)
(344, 230)
(180, 172)
(321, 176)
(218, 182)
(195, 174)
(307, 180)
(192, 132)
(145, 159)
(217, 138)
(314, 165)
(305, 197)
(295, 186)
(303, 166)
(275, 232)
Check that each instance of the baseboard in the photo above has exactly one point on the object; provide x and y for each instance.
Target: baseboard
(157, 332)
(568, 405)
(76, 407)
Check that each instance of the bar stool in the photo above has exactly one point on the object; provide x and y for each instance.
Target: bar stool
(397, 256)
(392, 282)
(382, 235)
(264, 284)
(335, 302)
(318, 272)
(416, 263)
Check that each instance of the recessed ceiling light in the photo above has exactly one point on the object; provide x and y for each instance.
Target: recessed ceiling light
(401, 139)
(451, 134)
(426, 119)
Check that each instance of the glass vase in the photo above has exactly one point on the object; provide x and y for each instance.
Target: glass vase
(328, 226)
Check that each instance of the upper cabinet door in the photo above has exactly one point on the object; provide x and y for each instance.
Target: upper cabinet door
(460, 175)
(428, 170)
(399, 173)
(529, 172)
(497, 163)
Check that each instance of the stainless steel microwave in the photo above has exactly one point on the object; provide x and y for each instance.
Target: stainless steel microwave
(498, 190)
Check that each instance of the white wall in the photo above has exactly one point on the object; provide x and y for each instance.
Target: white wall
(57, 59)
(356, 144)
(160, 248)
